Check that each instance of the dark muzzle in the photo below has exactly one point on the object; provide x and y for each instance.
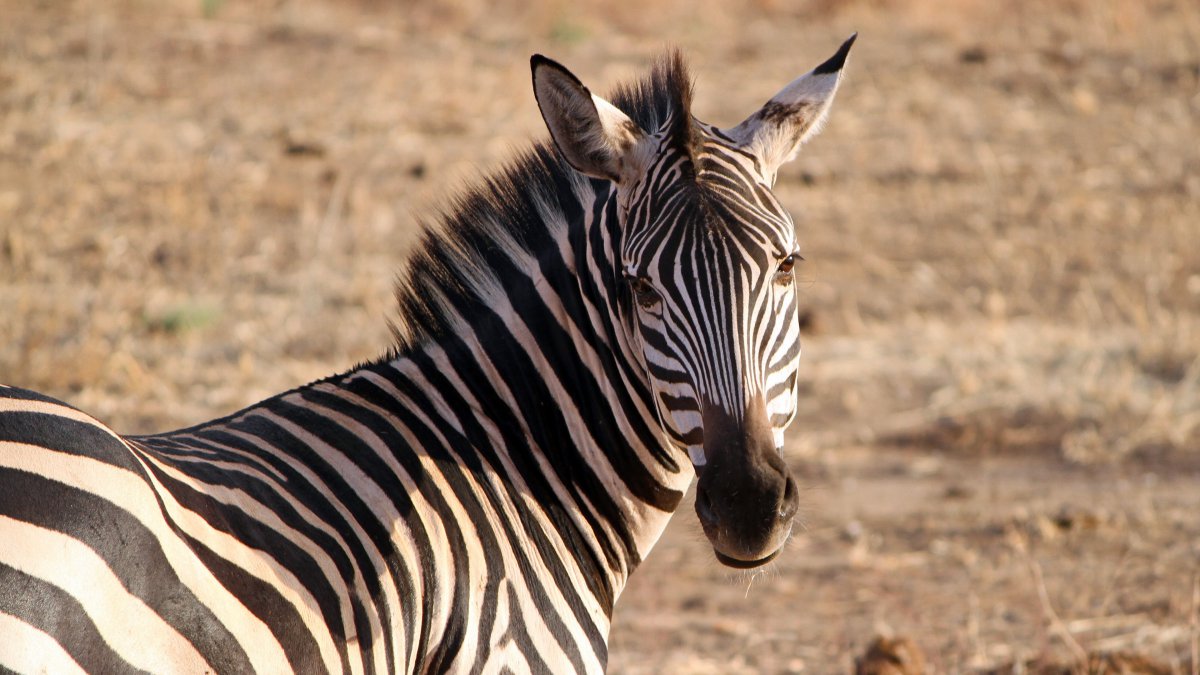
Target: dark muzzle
(746, 499)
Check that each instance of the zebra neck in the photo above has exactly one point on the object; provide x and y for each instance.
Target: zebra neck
(535, 400)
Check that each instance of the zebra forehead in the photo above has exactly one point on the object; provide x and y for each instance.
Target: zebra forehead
(708, 222)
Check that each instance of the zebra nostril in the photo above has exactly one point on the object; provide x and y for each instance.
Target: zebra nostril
(790, 502)
(704, 508)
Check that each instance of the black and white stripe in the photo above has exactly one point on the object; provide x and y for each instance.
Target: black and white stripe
(568, 334)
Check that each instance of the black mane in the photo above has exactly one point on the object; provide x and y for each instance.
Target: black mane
(654, 101)
(462, 254)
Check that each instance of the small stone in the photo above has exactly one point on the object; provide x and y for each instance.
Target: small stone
(891, 656)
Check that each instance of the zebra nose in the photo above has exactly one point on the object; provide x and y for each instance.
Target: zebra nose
(789, 504)
(746, 514)
(746, 498)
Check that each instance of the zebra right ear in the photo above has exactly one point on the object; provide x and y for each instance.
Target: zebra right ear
(775, 132)
(592, 134)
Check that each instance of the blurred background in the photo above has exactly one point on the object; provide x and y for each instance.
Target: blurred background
(204, 202)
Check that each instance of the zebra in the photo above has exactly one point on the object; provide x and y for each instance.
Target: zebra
(579, 337)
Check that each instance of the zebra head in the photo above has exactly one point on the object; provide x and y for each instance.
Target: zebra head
(704, 254)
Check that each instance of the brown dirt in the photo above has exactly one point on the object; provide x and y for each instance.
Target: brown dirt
(203, 203)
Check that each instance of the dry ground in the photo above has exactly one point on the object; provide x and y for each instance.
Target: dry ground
(203, 203)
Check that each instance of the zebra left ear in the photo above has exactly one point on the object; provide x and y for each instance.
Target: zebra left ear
(592, 134)
(776, 131)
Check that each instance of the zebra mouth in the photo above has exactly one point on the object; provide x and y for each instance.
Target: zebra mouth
(737, 564)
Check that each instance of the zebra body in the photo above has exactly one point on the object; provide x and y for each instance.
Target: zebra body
(597, 324)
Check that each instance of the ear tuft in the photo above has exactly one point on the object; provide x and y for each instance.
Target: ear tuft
(835, 62)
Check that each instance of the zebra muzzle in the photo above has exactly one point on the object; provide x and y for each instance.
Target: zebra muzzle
(746, 499)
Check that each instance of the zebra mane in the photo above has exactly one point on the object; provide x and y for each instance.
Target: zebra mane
(511, 214)
(664, 98)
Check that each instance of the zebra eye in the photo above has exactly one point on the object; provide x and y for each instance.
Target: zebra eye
(643, 291)
(783, 275)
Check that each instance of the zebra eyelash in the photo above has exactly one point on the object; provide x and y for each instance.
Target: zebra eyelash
(784, 273)
(643, 291)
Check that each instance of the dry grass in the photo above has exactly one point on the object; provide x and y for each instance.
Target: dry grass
(203, 203)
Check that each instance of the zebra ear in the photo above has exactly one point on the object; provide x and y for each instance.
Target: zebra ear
(592, 134)
(775, 132)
